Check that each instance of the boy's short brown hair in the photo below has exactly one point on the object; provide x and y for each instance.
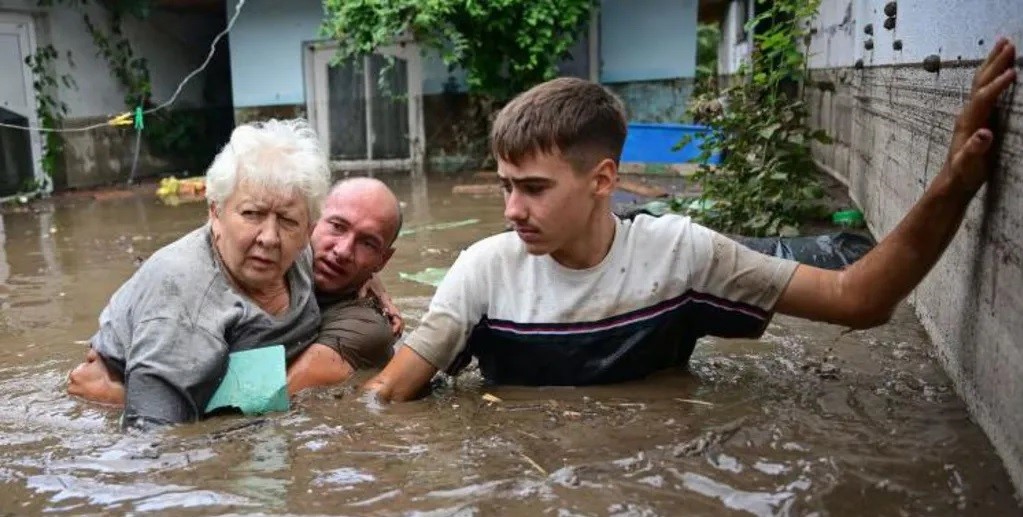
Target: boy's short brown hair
(579, 120)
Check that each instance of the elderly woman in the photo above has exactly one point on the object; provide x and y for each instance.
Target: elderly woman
(241, 281)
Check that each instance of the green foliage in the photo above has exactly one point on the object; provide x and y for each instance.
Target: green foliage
(49, 109)
(505, 46)
(176, 134)
(767, 183)
(708, 36)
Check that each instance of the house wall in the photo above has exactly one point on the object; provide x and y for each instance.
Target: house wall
(266, 54)
(103, 156)
(648, 55)
(266, 58)
(733, 47)
(892, 121)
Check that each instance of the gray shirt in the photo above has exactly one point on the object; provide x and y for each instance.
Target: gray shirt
(171, 326)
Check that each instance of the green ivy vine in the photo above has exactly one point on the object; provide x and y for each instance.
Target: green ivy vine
(168, 133)
(130, 70)
(505, 46)
(766, 183)
(50, 110)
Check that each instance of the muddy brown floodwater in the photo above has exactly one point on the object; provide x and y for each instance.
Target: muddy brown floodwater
(810, 420)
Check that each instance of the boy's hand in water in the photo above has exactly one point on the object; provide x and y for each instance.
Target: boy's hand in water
(967, 162)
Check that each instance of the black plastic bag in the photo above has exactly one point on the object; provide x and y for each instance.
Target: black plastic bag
(830, 251)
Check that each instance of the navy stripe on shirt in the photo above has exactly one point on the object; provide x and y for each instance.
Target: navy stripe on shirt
(619, 348)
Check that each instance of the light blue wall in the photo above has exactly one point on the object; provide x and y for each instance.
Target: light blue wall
(641, 40)
(644, 40)
(266, 53)
(266, 50)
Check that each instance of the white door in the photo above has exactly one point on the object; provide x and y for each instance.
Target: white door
(367, 111)
(17, 97)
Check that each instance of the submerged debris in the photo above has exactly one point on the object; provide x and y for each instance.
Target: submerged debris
(173, 189)
(438, 226)
(825, 369)
(708, 439)
(694, 401)
(431, 276)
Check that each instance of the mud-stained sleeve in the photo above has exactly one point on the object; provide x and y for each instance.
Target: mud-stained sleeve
(358, 332)
(456, 307)
(738, 286)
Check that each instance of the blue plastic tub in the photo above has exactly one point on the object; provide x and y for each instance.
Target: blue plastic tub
(653, 143)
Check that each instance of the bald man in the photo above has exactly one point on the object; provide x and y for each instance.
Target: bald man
(352, 241)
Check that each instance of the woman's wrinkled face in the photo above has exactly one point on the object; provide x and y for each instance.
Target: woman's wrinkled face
(258, 234)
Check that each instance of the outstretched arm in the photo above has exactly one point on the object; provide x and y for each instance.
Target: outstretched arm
(866, 294)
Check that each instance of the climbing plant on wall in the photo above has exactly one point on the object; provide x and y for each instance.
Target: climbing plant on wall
(131, 71)
(708, 37)
(168, 133)
(49, 108)
(767, 183)
(505, 46)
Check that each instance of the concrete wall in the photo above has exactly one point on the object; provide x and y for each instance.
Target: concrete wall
(655, 101)
(892, 121)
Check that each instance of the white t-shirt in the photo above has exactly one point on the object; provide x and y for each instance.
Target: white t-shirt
(665, 282)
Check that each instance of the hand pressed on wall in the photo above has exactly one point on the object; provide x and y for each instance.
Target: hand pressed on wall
(967, 160)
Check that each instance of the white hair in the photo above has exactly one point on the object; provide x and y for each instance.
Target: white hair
(282, 156)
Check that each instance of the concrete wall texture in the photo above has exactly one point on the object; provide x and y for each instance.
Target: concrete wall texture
(892, 121)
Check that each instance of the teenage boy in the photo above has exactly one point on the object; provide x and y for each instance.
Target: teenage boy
(577, 296)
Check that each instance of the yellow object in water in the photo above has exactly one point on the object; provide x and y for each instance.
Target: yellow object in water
(189, 188)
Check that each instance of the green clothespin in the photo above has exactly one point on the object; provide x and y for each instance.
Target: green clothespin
(139, 125)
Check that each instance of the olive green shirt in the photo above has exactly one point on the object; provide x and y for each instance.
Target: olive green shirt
(356, 329)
